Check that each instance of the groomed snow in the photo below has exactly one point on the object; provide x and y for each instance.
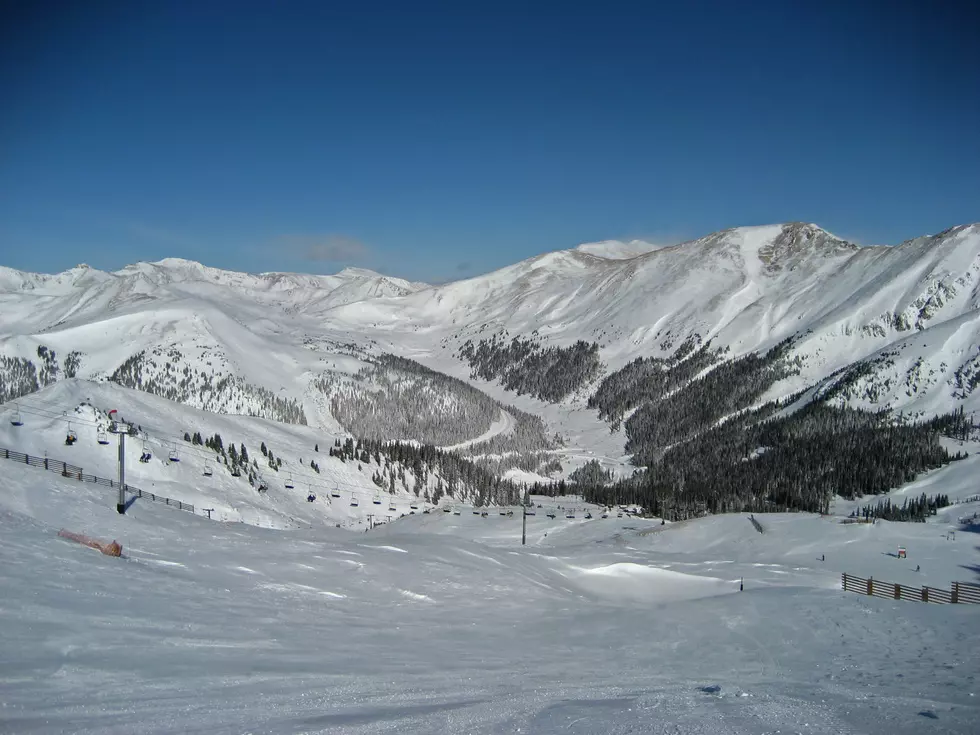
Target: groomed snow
(444, 623)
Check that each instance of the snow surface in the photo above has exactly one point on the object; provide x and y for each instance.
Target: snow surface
(444, 623)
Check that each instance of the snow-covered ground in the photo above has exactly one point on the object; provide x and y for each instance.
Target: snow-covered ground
(445, 623)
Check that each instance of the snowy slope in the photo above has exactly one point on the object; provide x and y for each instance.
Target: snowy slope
(80, 406)
(444, 623)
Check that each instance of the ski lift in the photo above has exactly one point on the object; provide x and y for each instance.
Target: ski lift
(447, 509)
(310, 498)
(456, 511)
(235, 472)
(207, 468)
(174, 457)
(289, 483)
(102, 437)
(414, 506)
(353, 500)
(503, 512)
(335, 493)
(16, 420)
(529, 512)
(377, 500)
(476, 512)
(391, 506)
(570, 514)
(605, 515)
(552, 516)
(70, 437)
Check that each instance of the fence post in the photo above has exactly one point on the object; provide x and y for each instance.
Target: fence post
(870, 586)
(898, 591)
(45, 463)
(843, 581)
(954, 594)
(925, 594)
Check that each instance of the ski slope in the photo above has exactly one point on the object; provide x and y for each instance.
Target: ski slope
(444, 623)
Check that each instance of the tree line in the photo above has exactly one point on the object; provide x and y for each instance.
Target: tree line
(523, 366)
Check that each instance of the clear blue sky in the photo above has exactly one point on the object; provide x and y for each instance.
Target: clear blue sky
(438, 140)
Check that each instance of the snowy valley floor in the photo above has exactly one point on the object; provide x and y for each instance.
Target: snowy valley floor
(444, 623)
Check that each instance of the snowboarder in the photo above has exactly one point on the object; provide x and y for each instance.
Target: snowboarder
(916, 567)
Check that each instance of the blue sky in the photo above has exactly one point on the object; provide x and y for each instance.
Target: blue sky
(438, 140)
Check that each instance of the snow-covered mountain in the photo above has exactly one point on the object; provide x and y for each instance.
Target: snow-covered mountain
(895, 327)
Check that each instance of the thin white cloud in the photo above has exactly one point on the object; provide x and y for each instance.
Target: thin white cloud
(331, 248)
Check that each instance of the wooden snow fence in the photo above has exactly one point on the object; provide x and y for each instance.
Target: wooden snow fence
(958, 593)
(76, 473)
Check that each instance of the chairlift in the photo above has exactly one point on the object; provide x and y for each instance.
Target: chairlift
(70, 437)
(377, 500)
(235, 472)
(102, 437)
(414, 506)
(529, 512)
(476, 512)
(289, 483)
(335, 493)
(16, 420)
(391, 507)
(552, 516)
(207, 468)
(353, 500)
(447, 509)
(570, 514)
(174, 457)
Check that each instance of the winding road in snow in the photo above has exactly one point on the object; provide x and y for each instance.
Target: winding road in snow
(503, 425)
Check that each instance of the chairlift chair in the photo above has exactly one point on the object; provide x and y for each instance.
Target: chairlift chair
(235, 472)
(447, 509)
(353, 500)
(414, 506)
(102, 437)
(552, 516)
(476, 512)
(456, 511)
(174, 457)
(377, 500)
(207, 468)
(16, 420)
(335, 493)
(391, 507)
(289, 483)
(570, 514)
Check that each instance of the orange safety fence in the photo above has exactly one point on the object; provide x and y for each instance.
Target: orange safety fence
(109, 549)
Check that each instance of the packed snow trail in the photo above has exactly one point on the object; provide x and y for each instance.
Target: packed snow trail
(503, 425)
